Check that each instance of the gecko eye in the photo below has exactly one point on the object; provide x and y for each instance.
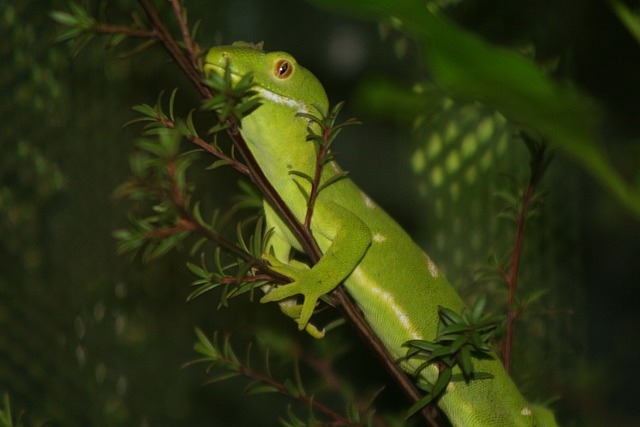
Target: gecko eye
(283, 69)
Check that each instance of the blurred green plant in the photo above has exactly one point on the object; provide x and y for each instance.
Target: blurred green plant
(6, 419)
(469, 68)
(630, 19)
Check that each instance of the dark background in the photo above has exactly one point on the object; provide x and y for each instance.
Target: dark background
(89, 339)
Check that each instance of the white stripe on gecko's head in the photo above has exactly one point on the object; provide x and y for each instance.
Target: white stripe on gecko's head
(268, 95)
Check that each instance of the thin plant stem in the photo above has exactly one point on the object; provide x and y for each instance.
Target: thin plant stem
(315, 186)
(512, 278)
(540, 159)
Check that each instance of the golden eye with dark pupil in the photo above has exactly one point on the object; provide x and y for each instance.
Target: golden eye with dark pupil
(283, 69)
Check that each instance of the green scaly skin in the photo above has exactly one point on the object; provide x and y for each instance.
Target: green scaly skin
(395, 284)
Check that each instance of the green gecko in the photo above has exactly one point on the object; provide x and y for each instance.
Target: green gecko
(395, 284)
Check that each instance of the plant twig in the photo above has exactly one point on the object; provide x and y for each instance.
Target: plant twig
(512, 280)
(184, 29)
(207, 147)
(188, 222)
(315, 185)
(219, 154)
(164, 36)
(539, 162)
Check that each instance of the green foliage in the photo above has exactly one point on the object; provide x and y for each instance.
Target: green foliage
(159, 178)
(83, 27)
(520, 201)
(458, 340)
(236, 277)
(322, 137)
(231, 99)
(540, 158)
(159, 184)
(329, 130)
(80, 21)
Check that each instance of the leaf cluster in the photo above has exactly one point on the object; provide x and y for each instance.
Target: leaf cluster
(155, 117)
(495, 271)
(159, 184)
(522, 202)
(322, 141)
(322, 131)
(329, 130)
(237, 276)
(231, 100)
(512, 197)
(83, 27)
(540, 157)
(459, 339)
(80, 22)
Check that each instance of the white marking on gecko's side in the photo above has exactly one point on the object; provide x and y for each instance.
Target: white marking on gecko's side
(389, 299)
(367, 201)
(433, 268)
(379, 238)
(526, 411)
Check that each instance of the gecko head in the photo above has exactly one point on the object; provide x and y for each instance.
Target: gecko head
(277, 76)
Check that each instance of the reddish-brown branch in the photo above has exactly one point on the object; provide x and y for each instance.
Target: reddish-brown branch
(208, 147)
(184, 29)
(187, 222)
(164, 35)
(512, 278)
(315, 186)
(212, 150)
